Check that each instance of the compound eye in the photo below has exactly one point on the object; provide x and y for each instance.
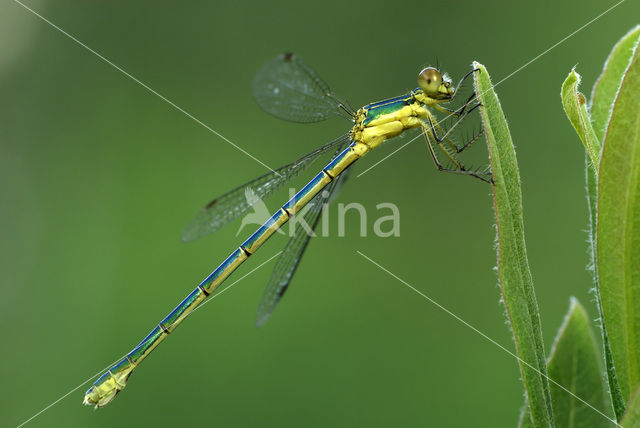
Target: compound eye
(429, 80)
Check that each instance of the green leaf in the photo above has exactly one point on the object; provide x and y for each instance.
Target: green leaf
(592, 200)
(632, 417)
(515, 279)
(618, 229)
(574, 363)
(606, 87)
(574, 105)
(525, 417)
(602, 97)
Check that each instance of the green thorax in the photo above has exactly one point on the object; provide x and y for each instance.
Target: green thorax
(375, 110)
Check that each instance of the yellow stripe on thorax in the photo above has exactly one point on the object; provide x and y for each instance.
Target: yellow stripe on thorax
(389, 125)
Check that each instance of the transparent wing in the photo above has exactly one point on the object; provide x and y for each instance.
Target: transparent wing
(292, 254)
(289, 89)
(235, 203)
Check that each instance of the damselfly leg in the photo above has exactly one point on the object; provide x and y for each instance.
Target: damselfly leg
(446, 145)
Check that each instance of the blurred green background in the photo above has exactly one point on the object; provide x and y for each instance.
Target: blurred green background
(98, 177)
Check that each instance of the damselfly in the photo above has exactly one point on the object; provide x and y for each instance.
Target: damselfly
(289, 89)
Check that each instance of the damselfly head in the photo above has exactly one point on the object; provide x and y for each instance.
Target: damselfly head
(434, 84)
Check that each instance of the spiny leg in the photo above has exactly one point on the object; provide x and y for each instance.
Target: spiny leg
(484, 176)
(446, 139)
(465, 77)
(459, 168)
(457, 122)
(470, 141)
(451, 144)
(461, 110)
